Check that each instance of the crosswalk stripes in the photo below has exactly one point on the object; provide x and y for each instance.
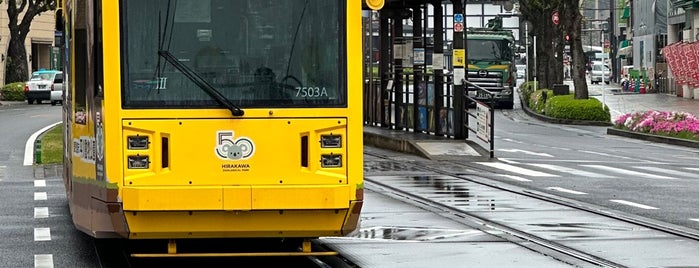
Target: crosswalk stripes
(524, 171)
(573, 171)
(516, 169)
(668, 171)
(627, 172)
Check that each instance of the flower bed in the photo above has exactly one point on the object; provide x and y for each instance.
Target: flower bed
(671, 124)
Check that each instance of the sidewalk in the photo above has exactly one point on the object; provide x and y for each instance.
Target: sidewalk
(622, 102)
(433, 147)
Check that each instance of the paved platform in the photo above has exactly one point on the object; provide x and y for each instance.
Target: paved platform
(443, 148)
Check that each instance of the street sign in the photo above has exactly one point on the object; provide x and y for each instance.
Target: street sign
(606, 43)
(555, 18)
(458, 18)
(602, 55)
(458, 27)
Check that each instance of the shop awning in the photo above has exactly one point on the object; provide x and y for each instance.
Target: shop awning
(626, 13)
(625, 52)
(623, 44)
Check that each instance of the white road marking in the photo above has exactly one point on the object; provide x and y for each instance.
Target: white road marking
(629, 203)
(629, 172)
(609, 155)
(41, 212)
(507, 160)
(691, 168)
(29, 146)
(668, 171)
(39, 183)
(565, 190)
(573, 171)
(516, 178)
(43, 261)
(39, 196)
(525, 152)
(42, 234)
(511, 168)
(2, 171)
(697, 220)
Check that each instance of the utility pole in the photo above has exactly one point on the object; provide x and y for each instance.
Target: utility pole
(460, 70)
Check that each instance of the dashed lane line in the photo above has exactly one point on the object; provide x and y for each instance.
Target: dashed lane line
(40, 196)
(42, 234)
(564, 190)
(39, 183)
(629, 203)
(41, 212)
(43, 261)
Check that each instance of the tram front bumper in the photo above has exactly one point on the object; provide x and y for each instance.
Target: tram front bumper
(240, 211)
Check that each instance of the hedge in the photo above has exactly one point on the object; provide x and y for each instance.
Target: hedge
(13, 92)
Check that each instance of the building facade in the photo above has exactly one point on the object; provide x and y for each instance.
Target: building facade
(38, 44)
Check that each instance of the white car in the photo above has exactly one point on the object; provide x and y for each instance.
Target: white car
(600, 72)
(57, 89)
(38, 88)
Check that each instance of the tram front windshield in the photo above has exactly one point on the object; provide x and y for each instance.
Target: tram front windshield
(256, 53)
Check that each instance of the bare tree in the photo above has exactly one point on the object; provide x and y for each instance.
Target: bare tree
(16, 68)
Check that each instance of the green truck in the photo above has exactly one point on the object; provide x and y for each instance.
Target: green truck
(491, 63)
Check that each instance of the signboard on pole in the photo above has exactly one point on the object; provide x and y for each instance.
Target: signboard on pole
(482, 122)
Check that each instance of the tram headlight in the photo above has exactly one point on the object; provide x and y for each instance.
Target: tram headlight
(330, 141)
(137, 142)
(138, 162)
(331, 160)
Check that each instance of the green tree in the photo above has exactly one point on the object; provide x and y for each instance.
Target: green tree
(550, 41)
(16, 69)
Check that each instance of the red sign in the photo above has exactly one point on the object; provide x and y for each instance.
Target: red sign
(458, 27)
(555, 18)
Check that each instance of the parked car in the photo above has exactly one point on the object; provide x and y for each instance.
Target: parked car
(600, 72)
(57, 89)
(38, 88)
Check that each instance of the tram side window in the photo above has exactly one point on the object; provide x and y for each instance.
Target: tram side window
(80, 107)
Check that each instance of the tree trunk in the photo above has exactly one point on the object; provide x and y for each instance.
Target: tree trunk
(549, 67)
(578, 56)
(16, 69)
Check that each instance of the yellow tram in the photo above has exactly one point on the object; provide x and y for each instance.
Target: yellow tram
(213, 118)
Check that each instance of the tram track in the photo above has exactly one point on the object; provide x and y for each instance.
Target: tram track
(543, 245)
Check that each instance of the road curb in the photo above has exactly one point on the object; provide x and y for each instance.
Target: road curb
(653, 138)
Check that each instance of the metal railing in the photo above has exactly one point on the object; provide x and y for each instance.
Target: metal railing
(484, 116)
(409, 107)
(427, 107)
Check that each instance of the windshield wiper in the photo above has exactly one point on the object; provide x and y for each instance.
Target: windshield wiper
(203, 84)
